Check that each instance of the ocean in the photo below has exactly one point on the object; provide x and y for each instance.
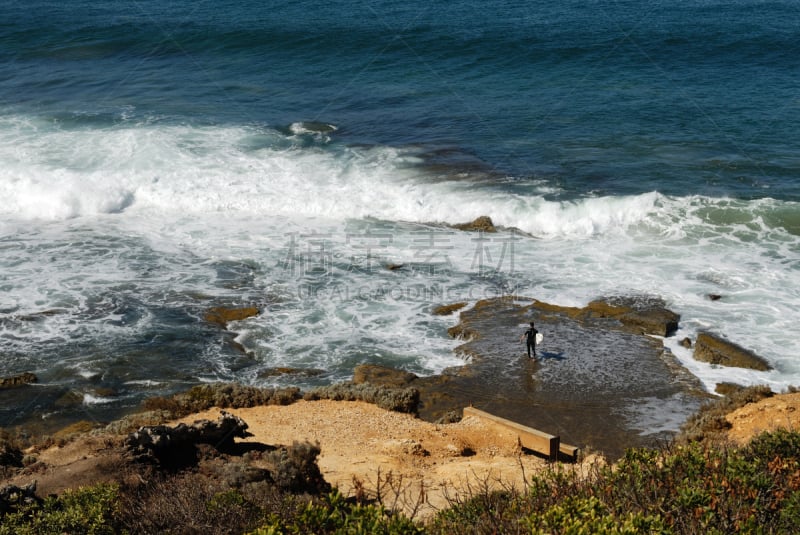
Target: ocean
(158, 159)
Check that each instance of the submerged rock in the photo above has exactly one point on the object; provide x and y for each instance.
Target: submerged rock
(222, 315)
(716, 350)
(285, 370)
(18, 380)
(312, 127)
(38, 316)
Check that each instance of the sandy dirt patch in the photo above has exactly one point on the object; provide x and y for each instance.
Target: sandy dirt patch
(769, 414)
(362, 444)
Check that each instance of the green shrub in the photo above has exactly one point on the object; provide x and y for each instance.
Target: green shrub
(335, 515)
(781, 443)
(694, 488)
(86, 510)
(590, 516)
(192, 502)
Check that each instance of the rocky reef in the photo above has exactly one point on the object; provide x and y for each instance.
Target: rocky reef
(599, 379)
(716, 350)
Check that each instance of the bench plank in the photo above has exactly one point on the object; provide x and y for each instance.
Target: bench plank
(530, 438)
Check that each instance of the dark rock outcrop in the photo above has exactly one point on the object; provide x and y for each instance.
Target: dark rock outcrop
(481, 224)
(446, 310)
(661, 322)
(382, 375)
(13, 497)
(716, 350)
(10, 455)
(637, 315)
(646, 318)
(222, 315)
(728, 389)
(18, 380)
(171, 446)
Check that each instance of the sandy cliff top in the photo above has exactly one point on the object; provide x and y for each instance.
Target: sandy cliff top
(361, 442)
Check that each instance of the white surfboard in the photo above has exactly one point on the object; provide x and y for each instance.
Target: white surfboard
(539, 338)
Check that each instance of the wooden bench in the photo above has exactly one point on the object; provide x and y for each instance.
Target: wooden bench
(530, 438)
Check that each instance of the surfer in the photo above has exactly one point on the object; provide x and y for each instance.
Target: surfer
(530, 334)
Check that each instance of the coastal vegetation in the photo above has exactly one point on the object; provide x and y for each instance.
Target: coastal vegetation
(694, 488)
(698, 483)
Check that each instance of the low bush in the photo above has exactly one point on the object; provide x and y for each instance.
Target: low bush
(693, 488)
(223, 395)
(233, 395)
(193, 503)
(90, 510)
(295, 469)
(386, 397)
(335, 514)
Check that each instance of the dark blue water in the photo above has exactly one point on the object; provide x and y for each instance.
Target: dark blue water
(607, 97)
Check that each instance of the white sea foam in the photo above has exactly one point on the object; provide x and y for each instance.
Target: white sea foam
(97, 222)
(86, 373)
(144, 383)
(66, 174)
(90, 399)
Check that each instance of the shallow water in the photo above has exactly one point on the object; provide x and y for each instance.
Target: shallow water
(592, 384)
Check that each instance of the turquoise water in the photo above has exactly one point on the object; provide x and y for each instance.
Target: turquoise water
(157, 159)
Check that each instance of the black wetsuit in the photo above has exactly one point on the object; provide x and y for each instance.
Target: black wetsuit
(530, 335)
